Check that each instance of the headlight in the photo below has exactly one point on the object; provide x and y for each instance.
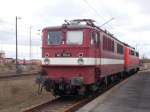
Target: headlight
(46, 61)
(80, 61)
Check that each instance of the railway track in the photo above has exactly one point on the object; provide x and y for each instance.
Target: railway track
(60, 105)
(64, 104)
(17, 75)
(70, 104)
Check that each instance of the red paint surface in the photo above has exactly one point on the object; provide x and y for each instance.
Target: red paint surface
(131, 61)
(111, 69)
(70, 72)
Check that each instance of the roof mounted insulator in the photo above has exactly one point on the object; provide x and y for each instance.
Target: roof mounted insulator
(67, 22)
(88, 22)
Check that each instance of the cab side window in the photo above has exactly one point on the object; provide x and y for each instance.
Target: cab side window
(95, 38)
(92, 42)
(108, 44)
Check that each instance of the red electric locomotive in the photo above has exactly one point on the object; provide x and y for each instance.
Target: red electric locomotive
(78, 57)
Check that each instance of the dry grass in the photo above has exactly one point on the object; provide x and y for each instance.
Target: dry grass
(18, 94)
(9, 69)
(6, 68)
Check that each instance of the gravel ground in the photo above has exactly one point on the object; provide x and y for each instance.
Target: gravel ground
(18, 94)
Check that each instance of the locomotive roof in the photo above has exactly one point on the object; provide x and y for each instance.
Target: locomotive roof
(81, 27)
(75, 24)
(129, 46)
(68, 26)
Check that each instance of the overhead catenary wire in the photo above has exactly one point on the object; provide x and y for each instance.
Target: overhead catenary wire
(96, 12)
(106, 22)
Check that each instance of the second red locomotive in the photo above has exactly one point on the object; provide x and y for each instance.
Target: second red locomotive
(78, 57)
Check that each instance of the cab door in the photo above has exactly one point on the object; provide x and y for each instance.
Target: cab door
(95, 46)
(95, 50)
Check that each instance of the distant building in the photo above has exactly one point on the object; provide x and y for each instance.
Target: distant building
(2, 54)
(9, 60)
(36, 61)
(4, 60)
(27, 62)
(2, 57)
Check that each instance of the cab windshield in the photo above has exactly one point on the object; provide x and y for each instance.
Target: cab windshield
(74, 38)
(54, 38)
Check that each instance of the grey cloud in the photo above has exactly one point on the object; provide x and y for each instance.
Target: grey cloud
(2, 21)
(69, 8)
(60, 9)
(7, 32)
(7, 37)
(143, 28)
(144, 5)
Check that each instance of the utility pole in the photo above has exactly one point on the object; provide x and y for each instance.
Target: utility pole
(30, 44)
(40, 35)
(17, 45)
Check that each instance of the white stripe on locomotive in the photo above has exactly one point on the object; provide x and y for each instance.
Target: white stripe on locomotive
(87, 61)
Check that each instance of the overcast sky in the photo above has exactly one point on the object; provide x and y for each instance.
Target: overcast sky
(131, 22)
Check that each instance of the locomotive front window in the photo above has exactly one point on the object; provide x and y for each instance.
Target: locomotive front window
(53, 38)
(74, 37)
